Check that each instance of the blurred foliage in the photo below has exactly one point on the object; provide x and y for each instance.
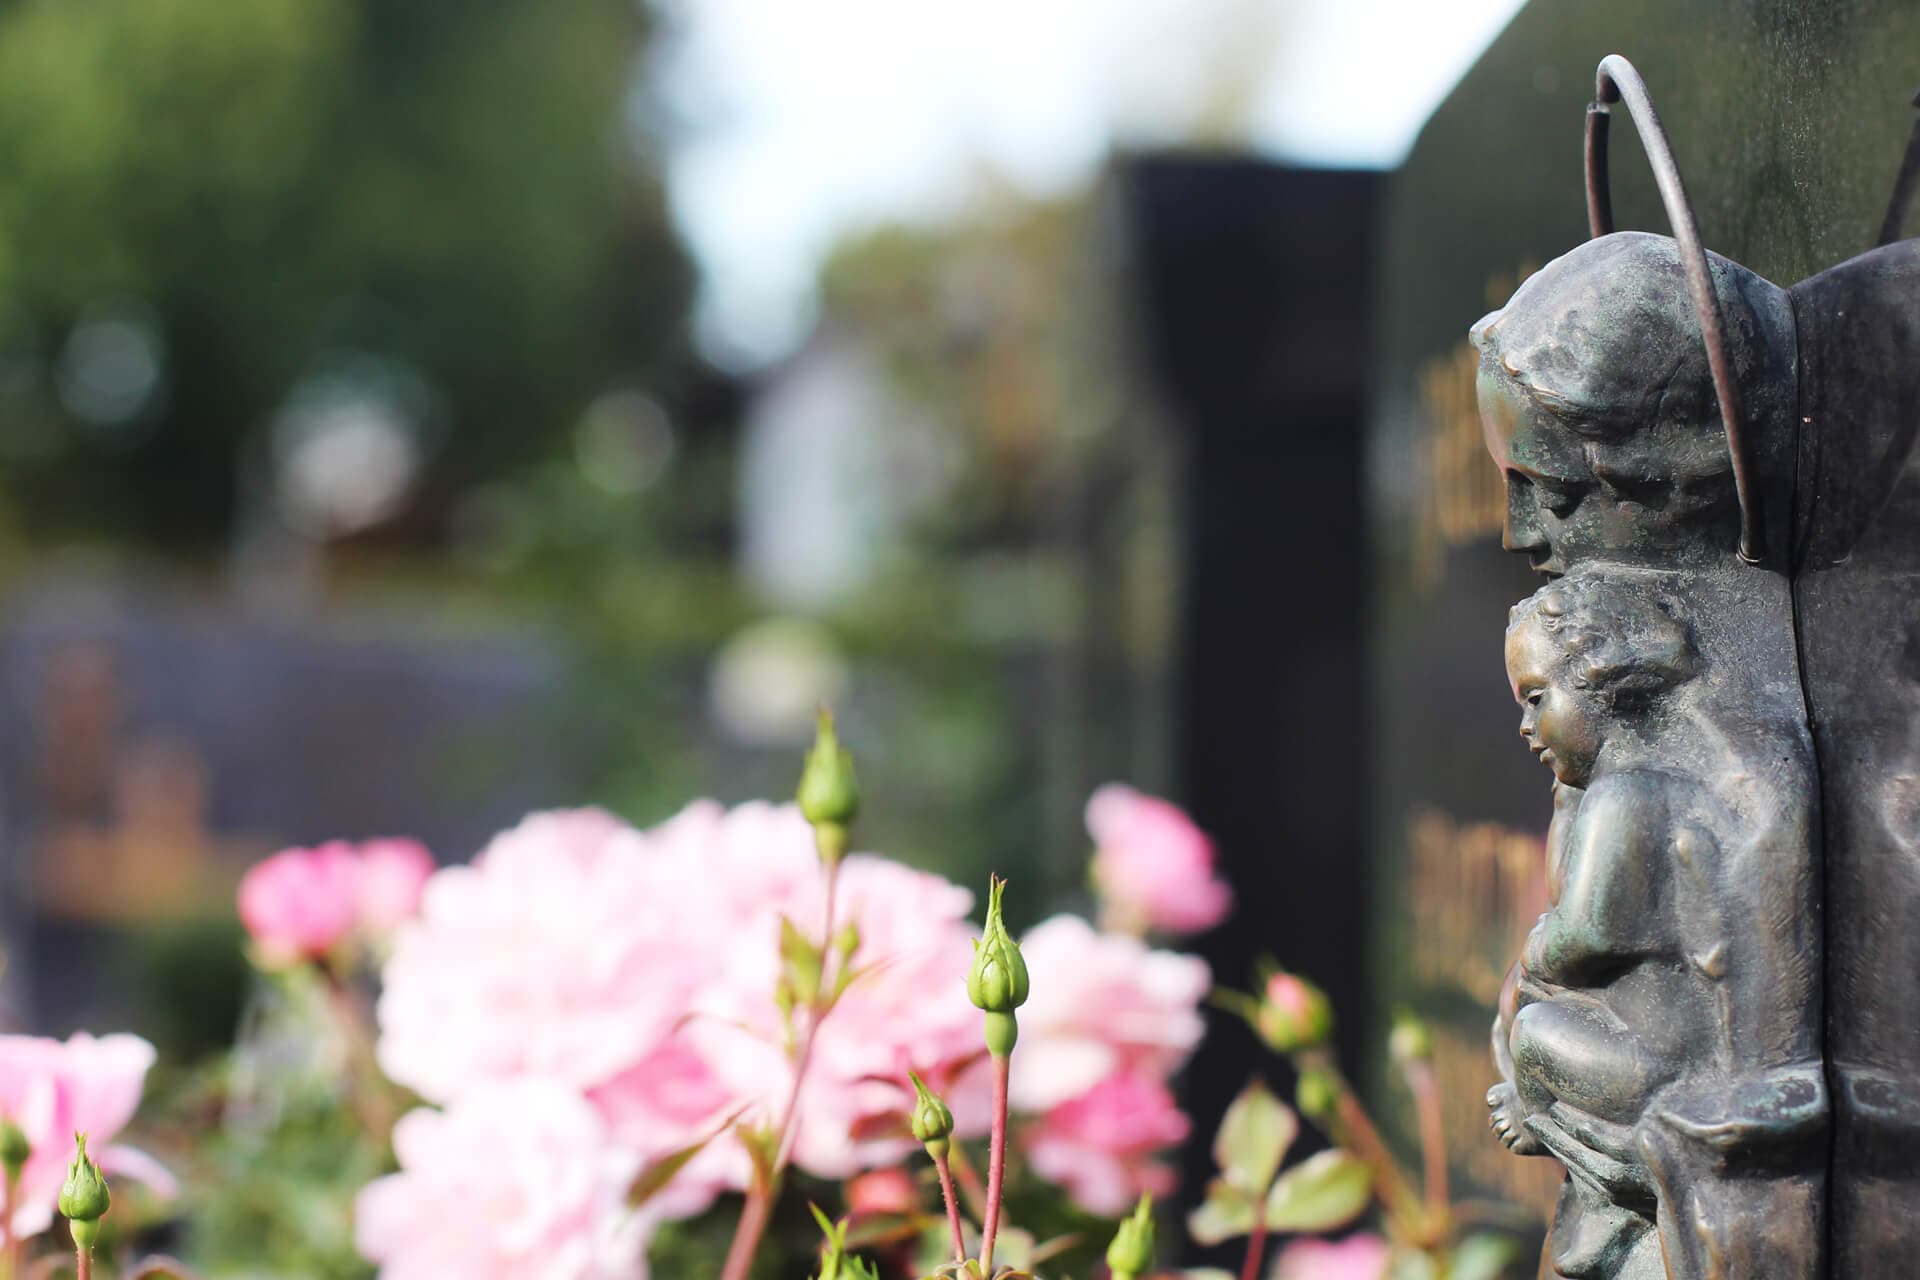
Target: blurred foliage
(972, 323)
(272, 1142)
(189, 981)
(275, 182)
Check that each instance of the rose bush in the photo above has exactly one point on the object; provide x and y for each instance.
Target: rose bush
(605, 1030)
(640, 970)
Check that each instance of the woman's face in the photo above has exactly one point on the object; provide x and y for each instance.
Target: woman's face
(1561, 723)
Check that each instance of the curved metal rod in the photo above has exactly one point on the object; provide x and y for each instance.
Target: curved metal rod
(1617, 81)
(1903, 184)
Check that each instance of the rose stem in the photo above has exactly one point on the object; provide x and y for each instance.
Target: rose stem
(1433, 1136)
(759, 1207)
(996, 1161)
(953, 1207)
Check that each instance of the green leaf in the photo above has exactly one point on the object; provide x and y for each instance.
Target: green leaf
(1253, 1139)
(1319, 1194)
(760, 1143)
(652, 1179)
(1484, 1257)
(1048, 1250)
(1226, 1213)
(1412, 1264)
(799, 961)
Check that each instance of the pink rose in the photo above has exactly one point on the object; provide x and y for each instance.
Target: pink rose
(301, 903)
(515, 1181)
(1103, 1004)
(667, 1101)
(53, 1090)
(1099, 1146)
(1152, 866)
(891, 1192)
(390, 878)
(571, 948)
(1361, 1256)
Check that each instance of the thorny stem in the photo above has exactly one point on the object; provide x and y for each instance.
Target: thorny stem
(1353, 1129)
(953, 1207)
(970, 1184)
(996, 1161)
(1256, 1244)
(1433, 1136)
(9, 1243)
(759, 1207)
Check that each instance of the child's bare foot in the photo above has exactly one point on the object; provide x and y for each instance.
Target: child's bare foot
(1505, 1119)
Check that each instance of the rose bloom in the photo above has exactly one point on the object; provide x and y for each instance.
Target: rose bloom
(1152, 866)
(391, 876)
(1103, 1004)
(883, 1191)
(1361, 1256)
(516, 1181)
(667, 1101)
(52, 1090)
(1099, 1146)
(570, 948)
(301, 903)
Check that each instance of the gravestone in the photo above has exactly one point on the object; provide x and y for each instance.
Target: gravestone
(1783, 691)
(1250, 316)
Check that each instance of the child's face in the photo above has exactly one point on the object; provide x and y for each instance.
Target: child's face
(1561, 723)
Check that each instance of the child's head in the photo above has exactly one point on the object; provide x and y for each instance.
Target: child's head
(1582, 653)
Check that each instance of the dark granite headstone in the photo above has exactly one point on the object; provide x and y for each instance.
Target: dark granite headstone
(1788, 121)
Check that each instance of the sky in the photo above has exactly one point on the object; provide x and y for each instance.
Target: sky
(794, 124)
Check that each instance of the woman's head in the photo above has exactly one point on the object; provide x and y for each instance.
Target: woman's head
(1582, 653)
(1597, 403)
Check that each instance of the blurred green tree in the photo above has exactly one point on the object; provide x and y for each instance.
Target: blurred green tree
(248, 190)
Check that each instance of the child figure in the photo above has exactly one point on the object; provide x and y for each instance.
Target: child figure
(1592, 660)
(1601, 1008)
(1624, 1045)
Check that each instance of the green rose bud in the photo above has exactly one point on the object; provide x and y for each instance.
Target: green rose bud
(1132, 1249)
(14, 1147)
(1410, 1041)
(1318, 1093)
(1293, 1015)
(829, 797)
(84, 1198)
(932, 1121)
(997, 982)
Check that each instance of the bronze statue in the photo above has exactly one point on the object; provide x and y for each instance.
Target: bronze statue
(1716, 1026)
(1655, 1041)
(1600, 411)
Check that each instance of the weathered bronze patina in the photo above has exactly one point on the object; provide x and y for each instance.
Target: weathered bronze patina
(1715, 1027)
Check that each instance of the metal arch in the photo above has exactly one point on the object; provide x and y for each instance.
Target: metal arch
(1616, 80)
